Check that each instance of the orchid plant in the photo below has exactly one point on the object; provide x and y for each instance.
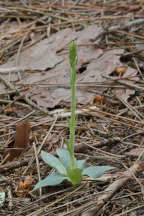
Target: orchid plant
(67, 167)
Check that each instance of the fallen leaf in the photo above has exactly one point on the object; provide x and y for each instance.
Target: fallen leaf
(21, 141)
(24, 186)
(20, 186)
(40, 56)
(120, 70)
(12, 109)
(124, 94)
(22, 134)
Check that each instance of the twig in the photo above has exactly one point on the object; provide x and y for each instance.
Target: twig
(115, 186)
(138, 68)
(81, 147)
(31, 103)
(7, 83)
(118, 27)
(12, 165)
(61, 113)
(130, 210)
(95, 111)
(18, 54)
(10, 198)
(13, 123)
(10, 102)
(5, 92)
(45, 208)
(125, 82)
(27, 100)
(131, 108)
(12, 70)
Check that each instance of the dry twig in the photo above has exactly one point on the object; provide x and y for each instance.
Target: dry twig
(114, 187)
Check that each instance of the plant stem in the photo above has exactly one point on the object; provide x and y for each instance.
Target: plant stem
(73, 120)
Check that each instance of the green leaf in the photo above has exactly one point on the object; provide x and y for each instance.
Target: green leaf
(64, 156)
(81, 163)
(75, 175)
(50, 180)
(96, 171)
(73, 54)
(53, 162)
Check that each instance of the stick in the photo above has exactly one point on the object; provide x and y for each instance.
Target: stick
(114, 187)
(12, 165)
(118, 27)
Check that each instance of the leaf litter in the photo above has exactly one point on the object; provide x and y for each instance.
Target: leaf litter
(35, 75)
(46, 63)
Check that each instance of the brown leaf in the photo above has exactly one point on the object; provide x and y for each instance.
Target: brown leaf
(24, 186)
(20, 186)
(22, 134)
(28, 182)
(120, 70)
(21, 141)
(124, 94)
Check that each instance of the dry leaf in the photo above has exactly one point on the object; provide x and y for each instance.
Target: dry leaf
(22, 134)
(21, 141)
(24, 186)
(12, 109)
(20, 186)
(28, 182)
(120, 70)
(124, 94)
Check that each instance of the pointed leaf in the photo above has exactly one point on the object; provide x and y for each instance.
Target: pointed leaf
(64, 156)
(53, 162)
(50, 180)
(96, 171)
(75, 175)
(81, 163)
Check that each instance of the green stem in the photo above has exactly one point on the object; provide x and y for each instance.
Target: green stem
(73, 120)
